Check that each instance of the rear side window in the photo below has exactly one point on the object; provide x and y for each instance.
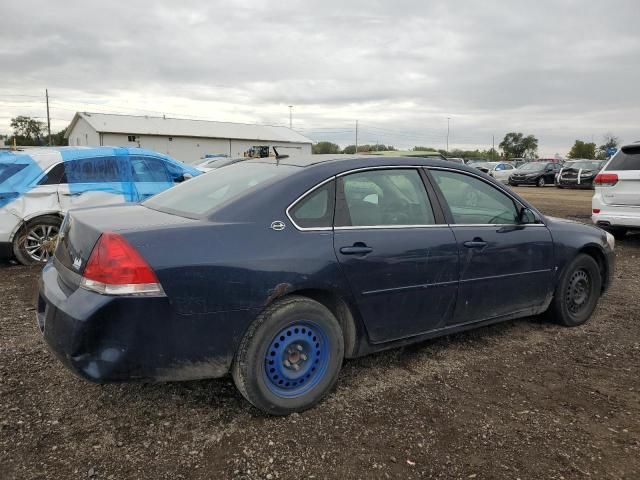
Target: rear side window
(148, 169)
(626, 159)
(380, 198)
(98, 170)
(315, 210)
(54, 176)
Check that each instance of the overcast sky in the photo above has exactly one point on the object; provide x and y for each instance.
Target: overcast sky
(560, 70)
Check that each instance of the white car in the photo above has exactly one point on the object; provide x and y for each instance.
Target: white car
(498, 170)
(39, 185)
(616, 202)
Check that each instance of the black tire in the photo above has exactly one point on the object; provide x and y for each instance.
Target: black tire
(251, 369)
(618, 232)
(577, 292)
(24, 245)
(541, 182)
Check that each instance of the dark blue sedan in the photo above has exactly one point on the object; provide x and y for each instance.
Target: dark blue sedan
(276, 270)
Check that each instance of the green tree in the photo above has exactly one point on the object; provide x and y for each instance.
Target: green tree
(324, 148)
(582, 149)
(610, 141)
(58, 138)
(26, 131)
(516, 145)
(418, 148)
(349, 149)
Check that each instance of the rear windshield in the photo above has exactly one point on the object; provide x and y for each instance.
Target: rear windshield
(205, 193)
(9, 170)
(584, 164)
(626, 159)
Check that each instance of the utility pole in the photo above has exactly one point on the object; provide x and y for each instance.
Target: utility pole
(46, 93)
(290, 116)
(448, 118)
(493, 147)
(356, 136)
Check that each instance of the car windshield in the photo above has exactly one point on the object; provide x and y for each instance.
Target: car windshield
(205, 193)
(584, 164)
(532, 167)
(8, 170)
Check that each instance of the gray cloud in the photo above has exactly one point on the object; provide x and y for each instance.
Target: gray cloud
(558, 69)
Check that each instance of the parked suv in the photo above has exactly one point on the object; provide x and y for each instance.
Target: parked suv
(616, 202)
(39, 185)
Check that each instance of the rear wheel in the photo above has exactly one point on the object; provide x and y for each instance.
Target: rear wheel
(290, 357)
(577, 292)
(36, 240)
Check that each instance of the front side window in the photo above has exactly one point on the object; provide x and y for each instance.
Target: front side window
(472, 201)
(315, 210)
(382, 198)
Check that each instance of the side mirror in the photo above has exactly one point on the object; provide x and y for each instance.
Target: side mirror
(183, 177)
(526, 215)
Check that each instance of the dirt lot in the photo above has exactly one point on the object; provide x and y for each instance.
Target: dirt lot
(524, 400)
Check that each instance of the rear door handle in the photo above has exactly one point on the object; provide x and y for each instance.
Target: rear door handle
(357, 249)
(475, 243)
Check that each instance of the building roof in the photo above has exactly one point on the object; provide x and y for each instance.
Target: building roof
(177, 127)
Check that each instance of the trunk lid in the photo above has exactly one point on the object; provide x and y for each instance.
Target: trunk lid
(82, 228)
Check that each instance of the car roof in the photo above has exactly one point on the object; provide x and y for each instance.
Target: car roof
(305, 161)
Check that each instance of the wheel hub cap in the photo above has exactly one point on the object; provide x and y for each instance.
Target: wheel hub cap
(578, 291)
(296, 359)
(40, 242)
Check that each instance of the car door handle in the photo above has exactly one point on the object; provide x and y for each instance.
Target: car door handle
(475, 243)
(356, 249)
(71, 194)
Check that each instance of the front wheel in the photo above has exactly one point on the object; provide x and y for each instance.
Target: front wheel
(541, 182)
(577, 292)
(36, 240)
(290, 357)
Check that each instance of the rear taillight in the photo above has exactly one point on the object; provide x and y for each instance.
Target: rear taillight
(116, 268)
(606, 179)
(596, 210)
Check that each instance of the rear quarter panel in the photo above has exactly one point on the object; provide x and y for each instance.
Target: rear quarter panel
(210, 270)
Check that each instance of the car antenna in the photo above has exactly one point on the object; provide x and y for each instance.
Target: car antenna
(278, 156)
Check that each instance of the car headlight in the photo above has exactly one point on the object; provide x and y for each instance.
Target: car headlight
(611, 241)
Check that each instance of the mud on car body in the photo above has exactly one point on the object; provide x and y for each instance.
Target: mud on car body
(39, 185)
(277, 270)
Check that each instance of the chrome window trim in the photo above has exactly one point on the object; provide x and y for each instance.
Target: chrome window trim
(380, 227)
(297, 200)
(384, 227)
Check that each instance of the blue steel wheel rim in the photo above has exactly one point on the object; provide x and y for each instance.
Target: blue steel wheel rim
(296, 359)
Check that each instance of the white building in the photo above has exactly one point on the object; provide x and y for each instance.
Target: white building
(185, 140)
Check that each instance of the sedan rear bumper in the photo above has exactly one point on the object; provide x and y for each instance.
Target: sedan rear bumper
(113, 339)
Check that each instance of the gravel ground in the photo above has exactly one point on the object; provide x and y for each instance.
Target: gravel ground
(523, 399)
